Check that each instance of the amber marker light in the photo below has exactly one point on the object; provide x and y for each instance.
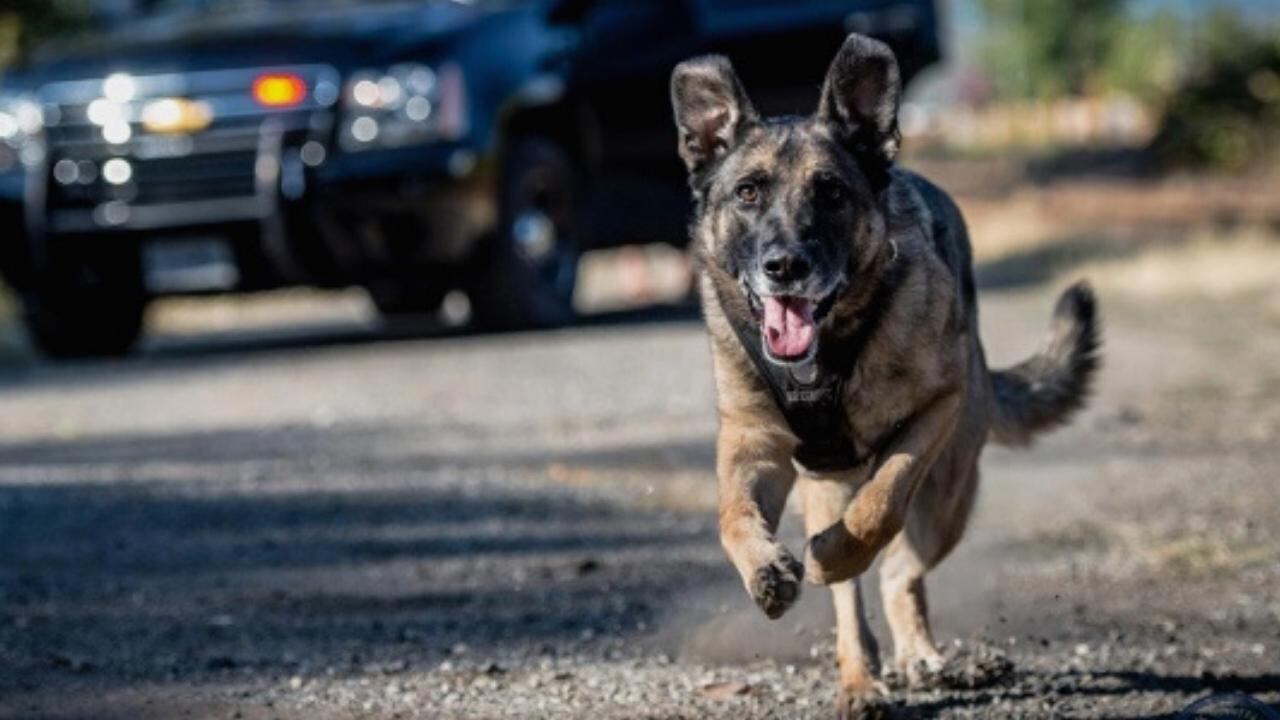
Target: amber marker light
(279, 90)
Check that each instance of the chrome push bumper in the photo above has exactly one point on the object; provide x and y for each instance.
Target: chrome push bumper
(109, 165)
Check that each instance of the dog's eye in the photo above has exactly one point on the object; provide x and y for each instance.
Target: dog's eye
(832, 192)
(747, 193)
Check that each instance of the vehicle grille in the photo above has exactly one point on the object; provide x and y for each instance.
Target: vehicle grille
(193, 178)
(168, 180)
(214, 166)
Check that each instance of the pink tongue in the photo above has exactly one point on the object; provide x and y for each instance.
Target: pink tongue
(788, 326)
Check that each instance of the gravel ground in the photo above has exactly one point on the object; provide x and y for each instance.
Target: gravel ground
(350, 525)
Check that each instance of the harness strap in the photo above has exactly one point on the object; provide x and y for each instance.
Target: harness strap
(811, 397)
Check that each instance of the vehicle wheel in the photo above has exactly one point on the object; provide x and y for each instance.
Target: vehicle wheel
(86, 308)
(525, 274)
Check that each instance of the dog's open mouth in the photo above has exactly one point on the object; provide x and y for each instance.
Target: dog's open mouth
(788, 324)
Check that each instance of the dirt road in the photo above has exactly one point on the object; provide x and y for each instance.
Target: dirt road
(522, 527)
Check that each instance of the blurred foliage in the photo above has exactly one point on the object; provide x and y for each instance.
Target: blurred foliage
(1145, 57)
(1041, 50)
(1212, 77)
(25, 23)
(1226, 113)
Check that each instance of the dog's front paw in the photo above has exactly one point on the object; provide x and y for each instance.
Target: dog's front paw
(776, 586)
(834, 555)
(976, 665)
(967, 667)
(873, 704)
(917, 672)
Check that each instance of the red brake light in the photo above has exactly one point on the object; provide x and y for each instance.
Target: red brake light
(279, 90)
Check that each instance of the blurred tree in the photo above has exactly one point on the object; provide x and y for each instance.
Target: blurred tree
(23, 23)
(1047, 48)
(1226, 112)
(1147, 56)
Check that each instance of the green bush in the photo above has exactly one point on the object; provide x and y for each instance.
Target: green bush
(1044, 50)
(1226, 113)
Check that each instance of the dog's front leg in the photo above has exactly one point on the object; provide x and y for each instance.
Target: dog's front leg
(756, 475)
(879, 509)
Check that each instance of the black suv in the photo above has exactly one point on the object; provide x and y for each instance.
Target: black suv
(409, 148)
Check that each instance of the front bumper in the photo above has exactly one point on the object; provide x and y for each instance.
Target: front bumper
(300, 211)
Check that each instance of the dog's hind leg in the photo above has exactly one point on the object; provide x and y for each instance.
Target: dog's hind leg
(916, 659)
(935, 523)
(857, 654)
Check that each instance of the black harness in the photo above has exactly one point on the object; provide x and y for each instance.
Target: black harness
(811, 396)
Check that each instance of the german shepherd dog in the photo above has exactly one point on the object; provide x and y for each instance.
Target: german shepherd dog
(839, 295)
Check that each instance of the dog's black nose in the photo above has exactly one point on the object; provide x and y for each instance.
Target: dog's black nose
(783, 266)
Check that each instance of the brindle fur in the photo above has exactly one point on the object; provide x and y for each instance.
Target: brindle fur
(920, 400)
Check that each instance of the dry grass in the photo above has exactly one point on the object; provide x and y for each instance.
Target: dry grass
(1146, 242)
(1219, 265)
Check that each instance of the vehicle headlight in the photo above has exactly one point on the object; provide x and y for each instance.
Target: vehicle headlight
(21, 123)
(404, 105)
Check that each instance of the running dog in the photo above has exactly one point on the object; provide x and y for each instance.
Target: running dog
(839, 297)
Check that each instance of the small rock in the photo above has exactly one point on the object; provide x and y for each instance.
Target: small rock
(723, 690)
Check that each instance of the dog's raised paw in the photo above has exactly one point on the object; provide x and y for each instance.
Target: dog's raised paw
(776, 586)
(833, 555)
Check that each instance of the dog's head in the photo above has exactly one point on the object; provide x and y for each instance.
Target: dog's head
(790, 210)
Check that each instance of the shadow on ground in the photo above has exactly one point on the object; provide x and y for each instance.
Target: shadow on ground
(205, 557)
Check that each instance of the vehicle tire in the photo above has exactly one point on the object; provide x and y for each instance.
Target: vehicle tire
(524, 274)
(87, 307)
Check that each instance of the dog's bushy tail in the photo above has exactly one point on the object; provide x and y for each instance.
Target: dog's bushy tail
(1045, 390)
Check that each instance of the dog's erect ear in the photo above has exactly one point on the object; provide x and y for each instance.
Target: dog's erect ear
(860, 98)
(710, 108)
